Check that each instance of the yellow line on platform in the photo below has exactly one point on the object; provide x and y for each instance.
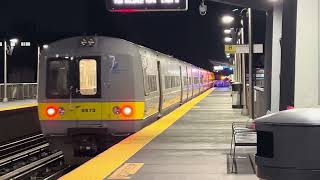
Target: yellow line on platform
(101, 166)
(18, 107)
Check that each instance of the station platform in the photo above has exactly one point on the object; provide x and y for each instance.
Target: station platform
(18, 119)
(190, 143)
(18, 104)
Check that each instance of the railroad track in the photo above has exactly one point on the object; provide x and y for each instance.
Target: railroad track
(31, 158)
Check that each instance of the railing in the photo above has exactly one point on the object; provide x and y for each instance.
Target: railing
(19, 91)
(259, 102)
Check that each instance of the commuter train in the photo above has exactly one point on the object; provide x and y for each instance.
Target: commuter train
(91, 87)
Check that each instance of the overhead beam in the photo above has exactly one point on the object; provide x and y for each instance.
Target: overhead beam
(263, 5)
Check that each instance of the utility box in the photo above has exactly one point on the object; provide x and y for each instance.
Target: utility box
(288, 146)
(236, 95)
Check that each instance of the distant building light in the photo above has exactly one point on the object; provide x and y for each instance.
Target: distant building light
(227, 19)
(227, 39)
(46, 46)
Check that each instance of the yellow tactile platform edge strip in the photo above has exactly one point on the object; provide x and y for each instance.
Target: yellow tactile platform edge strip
(104, 164)
(18, 107)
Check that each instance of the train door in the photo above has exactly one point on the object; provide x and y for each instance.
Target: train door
(191, 82)
(199, 82)
(181, 85)
(160, 86)
(187, 74)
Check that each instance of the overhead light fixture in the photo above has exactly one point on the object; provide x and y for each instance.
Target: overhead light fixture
(46, 46)
(14, 41)
(227, 39)
(227, 31)
(227, 19)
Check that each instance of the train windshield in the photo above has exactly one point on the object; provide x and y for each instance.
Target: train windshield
(58, 77)
(72, 78)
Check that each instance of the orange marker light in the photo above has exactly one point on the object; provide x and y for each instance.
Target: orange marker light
(127, 111)
(51, 111)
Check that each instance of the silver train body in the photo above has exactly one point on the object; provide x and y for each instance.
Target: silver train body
(98, 85)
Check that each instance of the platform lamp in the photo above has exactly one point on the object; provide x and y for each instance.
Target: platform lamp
(8, 50)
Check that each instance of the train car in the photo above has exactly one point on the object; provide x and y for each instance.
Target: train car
(91, 87)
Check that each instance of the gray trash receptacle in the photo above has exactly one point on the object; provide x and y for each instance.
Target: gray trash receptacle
(236, 95)
(288, 145)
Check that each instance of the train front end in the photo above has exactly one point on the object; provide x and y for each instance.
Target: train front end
(87, 94)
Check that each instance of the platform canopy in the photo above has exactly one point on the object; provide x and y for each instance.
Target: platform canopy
(263, 5)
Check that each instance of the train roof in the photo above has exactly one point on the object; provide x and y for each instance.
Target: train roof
(103, 43)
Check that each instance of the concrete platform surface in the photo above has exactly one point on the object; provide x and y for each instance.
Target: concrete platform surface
(17, 104)
(194, 147)
(190, 143)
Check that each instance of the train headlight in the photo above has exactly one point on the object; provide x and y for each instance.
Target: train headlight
(127, 111)
(51, 111)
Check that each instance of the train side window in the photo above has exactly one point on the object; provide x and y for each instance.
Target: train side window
(88, 77)
(190, 80)
(196, 80)
(167, 82)
(185, 81)
(172, 82)
(152, 83)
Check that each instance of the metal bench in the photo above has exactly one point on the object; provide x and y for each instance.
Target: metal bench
(243, 134)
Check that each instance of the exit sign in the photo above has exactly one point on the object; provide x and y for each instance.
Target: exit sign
(146, 5)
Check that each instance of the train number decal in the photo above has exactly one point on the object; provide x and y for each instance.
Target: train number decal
(88, 110)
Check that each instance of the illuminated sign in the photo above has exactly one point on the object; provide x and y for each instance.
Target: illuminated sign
(146, 5)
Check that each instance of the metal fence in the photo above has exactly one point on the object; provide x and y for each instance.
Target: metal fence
(19, 91)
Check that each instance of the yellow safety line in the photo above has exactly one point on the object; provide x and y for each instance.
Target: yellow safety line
(18, 107)
(105, 163)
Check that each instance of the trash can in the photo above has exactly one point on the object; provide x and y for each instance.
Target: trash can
(288, 145)
(236, 95)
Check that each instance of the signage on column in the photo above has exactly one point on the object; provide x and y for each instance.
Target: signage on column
(243, 49)
(146, 5)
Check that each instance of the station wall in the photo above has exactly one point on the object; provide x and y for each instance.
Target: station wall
(276, 57)
(307, 54)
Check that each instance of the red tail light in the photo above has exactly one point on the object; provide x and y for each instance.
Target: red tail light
(51, 111)
(127, 111)
(253, 126)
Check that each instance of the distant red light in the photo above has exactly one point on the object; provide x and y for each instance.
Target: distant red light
(125, 10)
(290, 107)
(51, 111)
(253, 125)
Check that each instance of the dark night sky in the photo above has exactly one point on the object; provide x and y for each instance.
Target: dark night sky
(185, 35)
